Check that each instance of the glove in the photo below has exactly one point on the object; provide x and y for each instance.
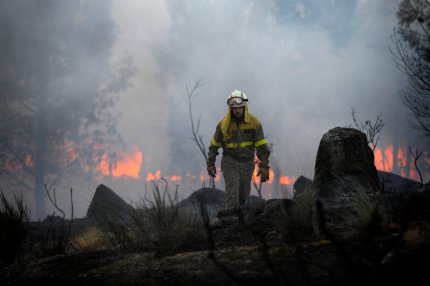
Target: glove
(212, 170)
(264, 172)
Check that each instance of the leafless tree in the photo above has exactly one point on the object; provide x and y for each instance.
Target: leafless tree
(372, 130)
(63, 239)
(197, 138)
(411, 54)
(416, 155)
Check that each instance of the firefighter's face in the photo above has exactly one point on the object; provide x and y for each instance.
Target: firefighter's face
(238, 111)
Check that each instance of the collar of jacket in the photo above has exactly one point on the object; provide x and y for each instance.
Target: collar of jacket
(225, 123)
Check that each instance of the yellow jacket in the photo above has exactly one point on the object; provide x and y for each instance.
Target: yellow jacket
(241, 139)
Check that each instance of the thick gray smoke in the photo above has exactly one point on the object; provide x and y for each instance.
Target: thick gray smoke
(303, 65)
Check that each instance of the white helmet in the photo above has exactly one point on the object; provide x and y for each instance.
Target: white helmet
(237, 99)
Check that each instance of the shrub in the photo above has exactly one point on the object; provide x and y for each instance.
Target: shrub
(55, 236)
(294, 221)
(14, 224)
(368, 218)
(413, 205)
(90, 239)
(157, 224)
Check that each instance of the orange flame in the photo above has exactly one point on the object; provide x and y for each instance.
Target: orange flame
(384, 161)
(174, 178)
(153, 176)
(402, 161)
(271, 176)
(413, 174)
(104, 165)
(128, 166)
(286, 180)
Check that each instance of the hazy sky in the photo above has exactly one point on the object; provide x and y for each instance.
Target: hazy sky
(302, 64)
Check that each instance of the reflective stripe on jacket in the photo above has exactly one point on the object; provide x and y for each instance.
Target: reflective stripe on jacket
(240, 139)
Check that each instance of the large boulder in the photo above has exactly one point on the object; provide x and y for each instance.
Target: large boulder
(107, 204)
(343, 167)
(213, 199)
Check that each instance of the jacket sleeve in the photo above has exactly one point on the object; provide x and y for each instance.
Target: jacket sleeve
(216, 142)
(263, 151)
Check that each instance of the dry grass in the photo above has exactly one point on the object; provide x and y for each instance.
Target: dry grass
(92, 238)
(157, 225)
(14, 224)
(369, 217)
(295, 223)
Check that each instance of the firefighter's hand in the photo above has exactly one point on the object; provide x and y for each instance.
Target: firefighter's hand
(264, 174)
(212, 170)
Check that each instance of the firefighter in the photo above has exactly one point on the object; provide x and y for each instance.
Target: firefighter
(241, 137)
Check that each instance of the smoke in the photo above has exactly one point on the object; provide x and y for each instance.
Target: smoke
(303, 65)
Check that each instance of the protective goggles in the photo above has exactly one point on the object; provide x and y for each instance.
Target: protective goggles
(234, 101)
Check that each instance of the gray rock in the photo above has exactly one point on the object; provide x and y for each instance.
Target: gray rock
(107, 204)
(255, 200)
(301, 184)
(214, 199)
(208, 195)
(274, 206)
(396, 183)
(344, 165)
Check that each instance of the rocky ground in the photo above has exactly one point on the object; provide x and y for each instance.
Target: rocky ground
(275, 242)
(246, 249)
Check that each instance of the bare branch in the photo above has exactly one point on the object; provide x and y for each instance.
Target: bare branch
(412, 56)
(53, 202)
(416, 155)
(372, 130)
(197, 138)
